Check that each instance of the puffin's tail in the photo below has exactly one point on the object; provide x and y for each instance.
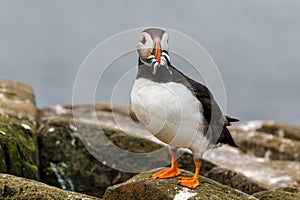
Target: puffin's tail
(231, 119)
(226, 138)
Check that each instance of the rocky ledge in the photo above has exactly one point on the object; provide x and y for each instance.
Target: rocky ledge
(143, 187)
(12, 187)
(61, 146)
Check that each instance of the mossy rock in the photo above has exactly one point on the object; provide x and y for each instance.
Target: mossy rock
(66, 163)
(12, 187)
(66, 152)
(287, 193)
(18, 148)
(236, 180)
(143, 187)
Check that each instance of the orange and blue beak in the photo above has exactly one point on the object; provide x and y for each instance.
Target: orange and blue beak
(157, 50)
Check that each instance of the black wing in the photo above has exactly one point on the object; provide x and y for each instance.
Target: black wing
(212, 113)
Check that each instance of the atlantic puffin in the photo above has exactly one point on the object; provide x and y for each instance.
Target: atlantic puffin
(176, 109)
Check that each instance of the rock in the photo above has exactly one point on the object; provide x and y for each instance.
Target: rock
(65, 161)
(87, 148)
(66, 148)
(271, 173)
(265, 144)
(259, 171)
(17, 100)
(236, 180)
(18, 136)
(67, 164)
(279, 194)
(143, 187)
(279, 129)
(63, 149)
(12, 187)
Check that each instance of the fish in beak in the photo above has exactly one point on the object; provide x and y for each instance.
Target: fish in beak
(158, 58)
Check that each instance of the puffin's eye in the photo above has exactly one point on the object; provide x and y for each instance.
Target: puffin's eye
(143, 40)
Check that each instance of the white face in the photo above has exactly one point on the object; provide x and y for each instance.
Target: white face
(146, 44)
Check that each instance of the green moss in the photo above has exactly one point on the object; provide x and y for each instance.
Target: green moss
(2, 160)
(28, 171)
(276, 195)
(19, 150)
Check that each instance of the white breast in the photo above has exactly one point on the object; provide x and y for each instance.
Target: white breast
(170, 112)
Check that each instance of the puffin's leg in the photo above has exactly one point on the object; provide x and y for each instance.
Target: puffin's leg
(191, 182)
(169, 172)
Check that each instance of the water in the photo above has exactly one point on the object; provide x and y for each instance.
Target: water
(255, 44)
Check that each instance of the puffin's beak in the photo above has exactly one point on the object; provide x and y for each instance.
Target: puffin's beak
(157, 50)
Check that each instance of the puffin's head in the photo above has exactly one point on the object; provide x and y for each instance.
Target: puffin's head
(153, 48)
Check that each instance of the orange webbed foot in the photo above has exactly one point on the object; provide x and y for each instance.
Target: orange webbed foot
(190, 182)
(166, 173)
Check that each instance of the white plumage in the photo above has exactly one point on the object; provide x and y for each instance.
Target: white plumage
(171, 113)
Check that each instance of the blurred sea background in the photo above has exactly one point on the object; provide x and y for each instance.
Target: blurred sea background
(254, 43)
